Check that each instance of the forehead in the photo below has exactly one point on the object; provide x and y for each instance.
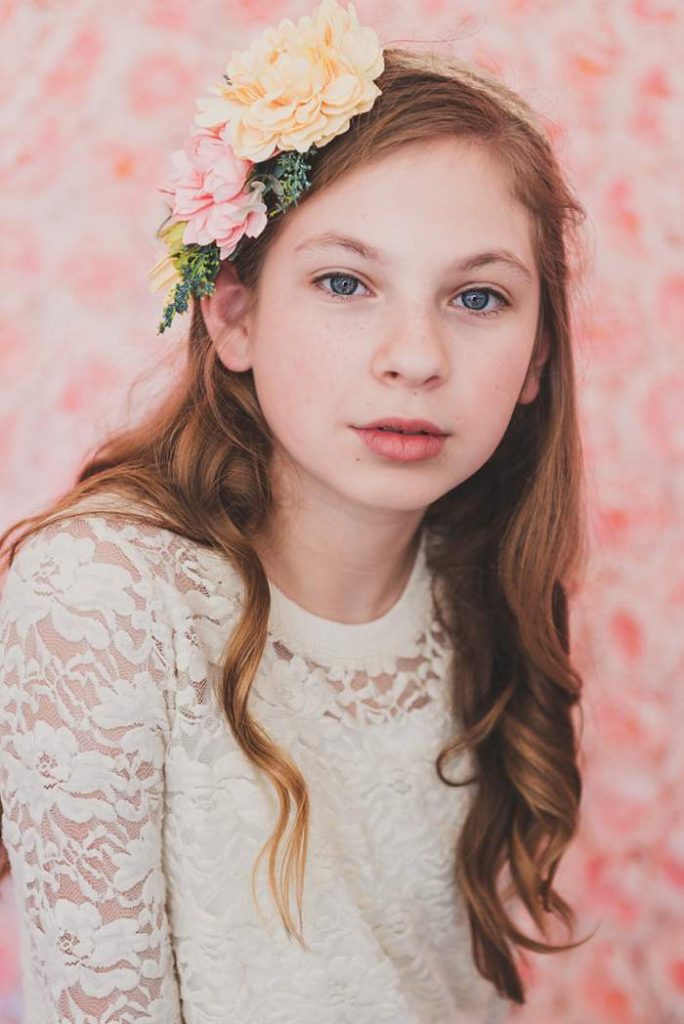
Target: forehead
(441, 195)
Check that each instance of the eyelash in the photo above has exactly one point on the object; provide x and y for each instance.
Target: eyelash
(473, 312)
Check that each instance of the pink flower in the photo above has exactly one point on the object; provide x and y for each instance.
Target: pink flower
(208, 190)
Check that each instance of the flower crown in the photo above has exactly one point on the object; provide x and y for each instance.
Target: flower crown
(295, 89)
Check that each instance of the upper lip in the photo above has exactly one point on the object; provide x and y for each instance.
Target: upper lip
(400, 424)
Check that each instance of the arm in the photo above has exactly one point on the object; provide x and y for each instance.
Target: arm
(83, 730)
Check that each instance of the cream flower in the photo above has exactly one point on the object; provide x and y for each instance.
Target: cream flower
(297, 84)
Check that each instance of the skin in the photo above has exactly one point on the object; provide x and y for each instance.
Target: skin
(408, 341)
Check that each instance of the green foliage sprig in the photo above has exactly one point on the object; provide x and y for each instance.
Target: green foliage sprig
(286, 176)
(198, 266)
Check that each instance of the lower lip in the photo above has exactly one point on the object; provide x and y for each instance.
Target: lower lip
(402, 447)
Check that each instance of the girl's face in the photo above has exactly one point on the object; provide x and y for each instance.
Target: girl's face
(340, 337)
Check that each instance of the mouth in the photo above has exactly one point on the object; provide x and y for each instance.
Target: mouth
(400, 445)
(413, 428)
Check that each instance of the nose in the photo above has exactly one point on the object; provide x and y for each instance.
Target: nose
(413, 348)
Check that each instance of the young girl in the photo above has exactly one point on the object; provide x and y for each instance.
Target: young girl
(286, 695)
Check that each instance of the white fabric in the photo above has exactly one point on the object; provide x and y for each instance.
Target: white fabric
(133, 818)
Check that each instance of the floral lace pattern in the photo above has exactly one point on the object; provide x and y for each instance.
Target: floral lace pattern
(376, 698)
(132, 817)
(84, 723)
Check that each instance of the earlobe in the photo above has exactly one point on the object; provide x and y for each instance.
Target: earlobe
(226, 314)
(530, 388)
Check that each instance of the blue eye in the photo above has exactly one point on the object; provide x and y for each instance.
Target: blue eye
(347, 290)
(478, 309)
(349, 282)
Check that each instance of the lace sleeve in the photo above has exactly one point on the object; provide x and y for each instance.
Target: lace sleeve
(83, 729)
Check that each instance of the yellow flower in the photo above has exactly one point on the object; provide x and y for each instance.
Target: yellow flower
(297, 84)
(172, 234)
(164, 274)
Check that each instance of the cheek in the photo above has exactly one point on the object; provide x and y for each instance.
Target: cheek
(491, 393)
(502, 377)
(296, 372)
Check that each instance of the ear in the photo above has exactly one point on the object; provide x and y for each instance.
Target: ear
(227, 316)
(530, 388)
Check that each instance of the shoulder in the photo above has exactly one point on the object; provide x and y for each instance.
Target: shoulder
(101, 563)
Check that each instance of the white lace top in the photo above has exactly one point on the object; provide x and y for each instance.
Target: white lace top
(132, 817)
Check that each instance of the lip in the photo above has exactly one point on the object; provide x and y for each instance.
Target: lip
(397, 423)
(401, 447)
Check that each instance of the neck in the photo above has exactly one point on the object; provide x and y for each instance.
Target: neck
(341, 572)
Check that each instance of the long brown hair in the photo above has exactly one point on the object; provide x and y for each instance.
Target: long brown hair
(508, 543)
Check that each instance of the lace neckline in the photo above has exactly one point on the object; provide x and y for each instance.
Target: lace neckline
(379, 641)
(315, 637)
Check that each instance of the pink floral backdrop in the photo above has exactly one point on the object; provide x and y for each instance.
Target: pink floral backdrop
(96, 96)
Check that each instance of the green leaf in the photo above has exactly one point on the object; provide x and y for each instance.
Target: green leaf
(198, 266)
(286, 177)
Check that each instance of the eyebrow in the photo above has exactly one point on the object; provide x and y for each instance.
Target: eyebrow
(369, 252)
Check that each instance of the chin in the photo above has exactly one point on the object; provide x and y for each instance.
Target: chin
(399, 496)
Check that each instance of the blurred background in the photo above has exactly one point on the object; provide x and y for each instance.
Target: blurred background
(97, 94)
